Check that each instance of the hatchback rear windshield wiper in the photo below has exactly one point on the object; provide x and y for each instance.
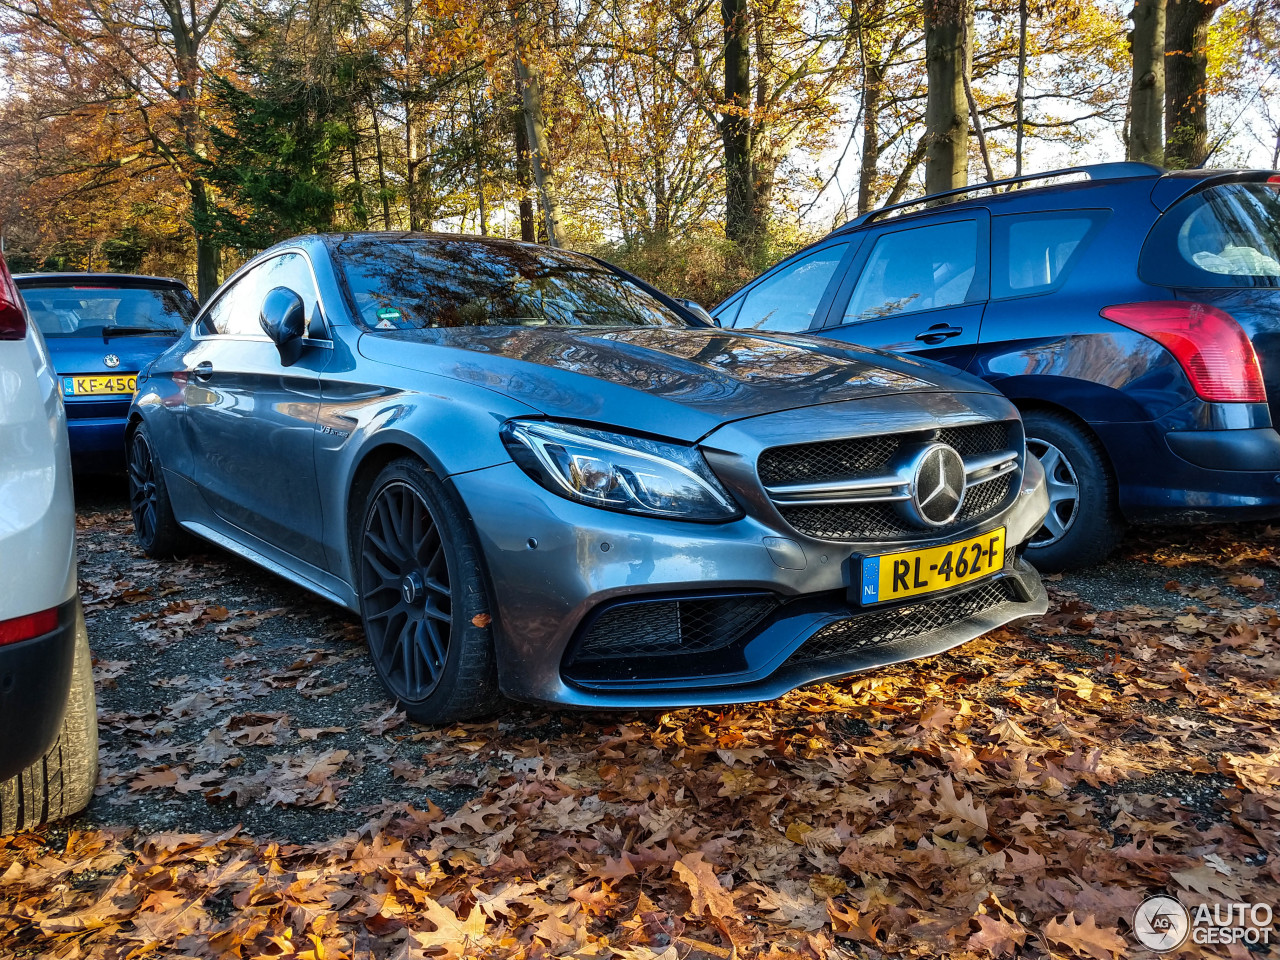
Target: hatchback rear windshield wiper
(134, 331)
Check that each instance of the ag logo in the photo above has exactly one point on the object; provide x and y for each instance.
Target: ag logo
(111, 360)
(1161, 924)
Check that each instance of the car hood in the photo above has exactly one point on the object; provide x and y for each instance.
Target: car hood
(680, 383)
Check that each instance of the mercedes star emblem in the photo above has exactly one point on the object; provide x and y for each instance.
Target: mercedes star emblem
(937, 485)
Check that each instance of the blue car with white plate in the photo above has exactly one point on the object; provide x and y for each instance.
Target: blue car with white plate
(102, 328)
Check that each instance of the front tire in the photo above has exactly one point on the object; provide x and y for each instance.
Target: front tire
(423, 598)
(61, 782)
(1084, 524)
(155, 527)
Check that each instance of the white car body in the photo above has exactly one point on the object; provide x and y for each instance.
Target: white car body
(37, 511)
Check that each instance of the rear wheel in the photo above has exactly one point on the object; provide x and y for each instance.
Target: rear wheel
(61, 782)
(154, 524)
(423, 598)
(1083, 524)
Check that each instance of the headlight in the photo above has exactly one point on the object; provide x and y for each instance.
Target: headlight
(618, 472)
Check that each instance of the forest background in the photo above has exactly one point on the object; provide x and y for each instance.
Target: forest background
(692, 141)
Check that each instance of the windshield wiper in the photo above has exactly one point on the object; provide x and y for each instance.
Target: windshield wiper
(124, 331)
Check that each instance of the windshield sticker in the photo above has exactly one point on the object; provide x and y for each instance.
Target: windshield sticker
(389, 318)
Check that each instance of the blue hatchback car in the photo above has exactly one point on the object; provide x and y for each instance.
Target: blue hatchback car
(102, 328)
(1132, 315)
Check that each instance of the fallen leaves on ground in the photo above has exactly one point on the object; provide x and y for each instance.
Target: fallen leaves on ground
(1019, 796)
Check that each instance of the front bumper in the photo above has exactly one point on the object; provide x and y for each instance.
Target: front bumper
(35, 676)
(554, 565)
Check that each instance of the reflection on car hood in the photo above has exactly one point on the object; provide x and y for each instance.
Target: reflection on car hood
(679, 383)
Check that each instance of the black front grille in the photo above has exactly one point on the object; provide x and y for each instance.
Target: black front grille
(832, 460)
(979, 438)
(868, 456)
(666, 627)
(879, 521)
(868, 521)
(860, 456)
(878, 627)
(985, 497)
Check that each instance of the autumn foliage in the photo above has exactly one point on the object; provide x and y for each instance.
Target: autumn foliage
(1017, 797)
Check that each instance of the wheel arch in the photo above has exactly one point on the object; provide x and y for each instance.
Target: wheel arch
(388, 448)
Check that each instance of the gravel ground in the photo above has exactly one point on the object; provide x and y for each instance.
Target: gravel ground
(220, 682)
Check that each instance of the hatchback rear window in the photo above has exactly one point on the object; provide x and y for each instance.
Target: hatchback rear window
(1225, 236)
(75, 311)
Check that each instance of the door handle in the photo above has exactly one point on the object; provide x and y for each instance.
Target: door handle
(939, 332)
(203, 370)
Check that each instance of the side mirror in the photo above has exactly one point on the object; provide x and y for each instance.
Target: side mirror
(284, 320)
(699, 309)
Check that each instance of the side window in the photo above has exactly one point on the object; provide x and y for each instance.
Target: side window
(787, 300)
(246, 300)
(236, 312)
(289, 270)
(217, 318)
(1034, 253)
(920, 269)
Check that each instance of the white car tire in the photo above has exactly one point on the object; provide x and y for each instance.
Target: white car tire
(61, 782)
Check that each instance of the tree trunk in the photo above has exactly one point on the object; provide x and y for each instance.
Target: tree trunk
(411, 167)
(206, 250)
(735, 124)
(1147, 89)
(1186, 42)
(535, 122)
(874, 84)
(382, 167)
(410, 129)
(1020, 102)
(524, 179)
(946, 117)
(360, 210)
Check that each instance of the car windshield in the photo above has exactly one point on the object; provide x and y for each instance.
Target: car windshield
(1225, 236)
(88, 311)
(412, 283)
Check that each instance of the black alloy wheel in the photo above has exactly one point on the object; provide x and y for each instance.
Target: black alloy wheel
(142, 487)
(423, 598)
(405, 590)
(154, 524)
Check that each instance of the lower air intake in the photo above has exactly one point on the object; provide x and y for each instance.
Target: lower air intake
(666, 627)
(875, 628)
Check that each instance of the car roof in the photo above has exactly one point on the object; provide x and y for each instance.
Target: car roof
(97, 280)
(336, 239)
(1102, 179)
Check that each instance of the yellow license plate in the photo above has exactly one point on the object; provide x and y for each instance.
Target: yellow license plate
(113, 383)
(893, 576)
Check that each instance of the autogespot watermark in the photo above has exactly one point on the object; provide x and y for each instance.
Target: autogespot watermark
(1163, 923)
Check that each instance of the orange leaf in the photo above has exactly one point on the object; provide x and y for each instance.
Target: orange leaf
(704, 886)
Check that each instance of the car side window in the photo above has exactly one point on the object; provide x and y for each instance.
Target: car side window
(217, 319)
(1033, 253)
(289, 270)
(236, 312)
(923, 268)
(788, 299)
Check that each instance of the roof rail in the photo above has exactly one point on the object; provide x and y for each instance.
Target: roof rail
(1094, 171)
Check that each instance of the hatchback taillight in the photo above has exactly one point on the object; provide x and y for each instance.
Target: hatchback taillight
(29, 626)
(13, 322)
(1210, 346)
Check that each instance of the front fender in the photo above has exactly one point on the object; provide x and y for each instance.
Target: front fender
(361, 428)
